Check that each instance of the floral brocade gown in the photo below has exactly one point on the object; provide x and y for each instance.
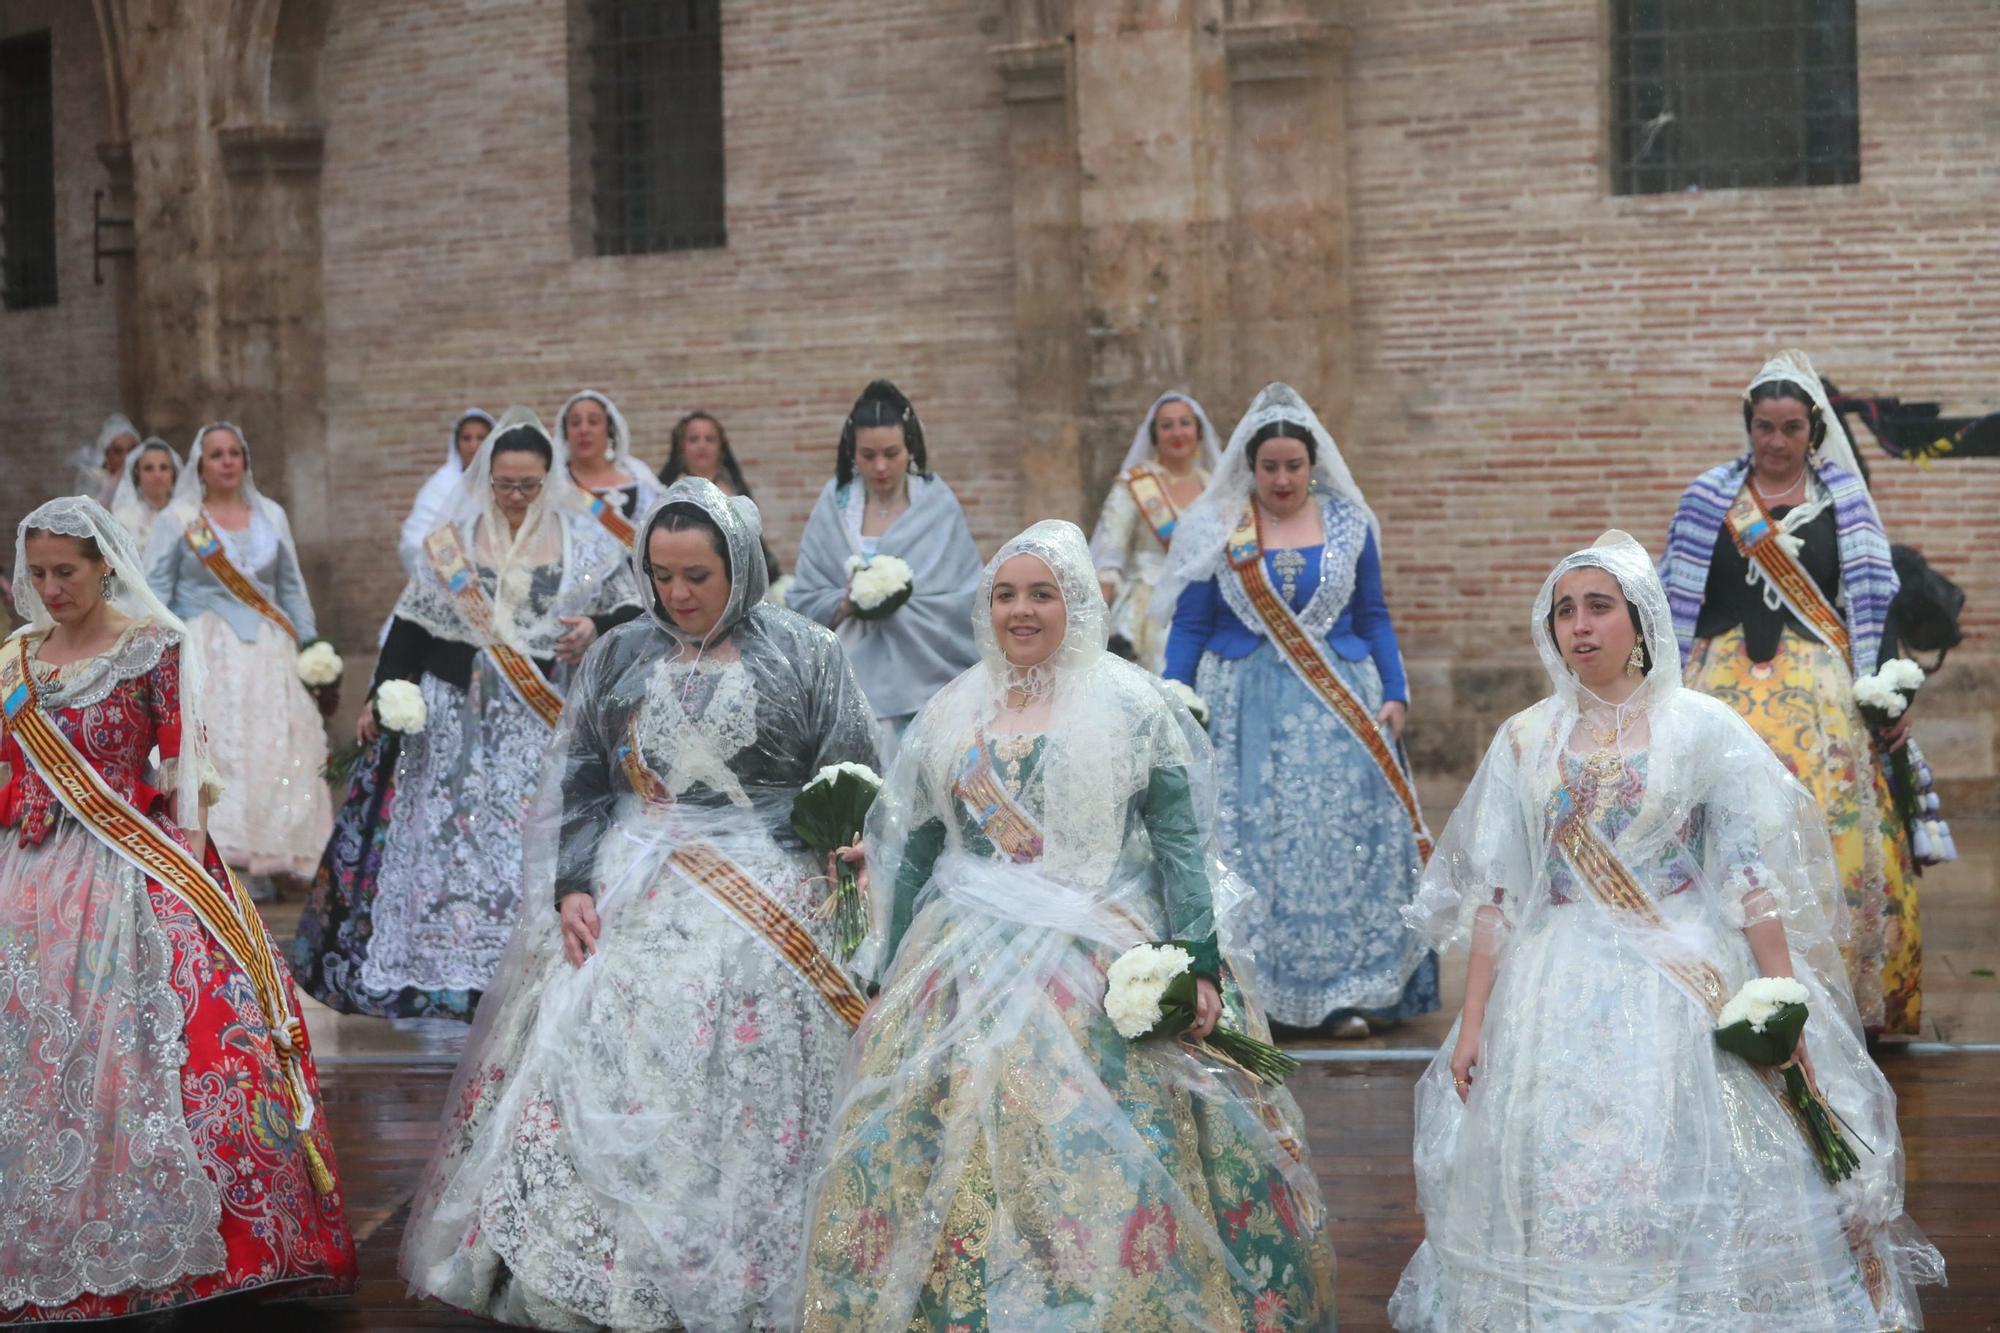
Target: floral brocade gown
(1081, 1181)
(149, 1155)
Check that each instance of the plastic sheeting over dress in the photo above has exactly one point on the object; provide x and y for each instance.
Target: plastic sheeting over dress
(627, 1142)
(1002, 1158)
(1613, 1165)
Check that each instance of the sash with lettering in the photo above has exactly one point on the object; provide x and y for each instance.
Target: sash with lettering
(1155, 505)
(613, 522)
(226, 914)
(736, 892)
(1613, 884)
(1756, 533)
(1308, 657)
(208, 549)
(445, 550)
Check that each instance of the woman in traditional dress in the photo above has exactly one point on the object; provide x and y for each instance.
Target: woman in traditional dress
(1780, 580)
(101, 463)
(436, 496)
(1628, 855)
(630, 1132)
(700, 448)
(158, 1102)
(883, 500)
(147, 487)
(1003, 1158)
(1279, 623)
(409, 914)
(221, 557)
(618, 488)
(1165, 471)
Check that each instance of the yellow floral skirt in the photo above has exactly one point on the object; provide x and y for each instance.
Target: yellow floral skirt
(1802, 703)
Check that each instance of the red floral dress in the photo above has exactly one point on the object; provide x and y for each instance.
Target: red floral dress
(149, 1155)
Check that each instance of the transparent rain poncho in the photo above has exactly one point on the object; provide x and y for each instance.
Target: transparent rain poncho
(1612, 1164)
(1000, 1152)
(627, 1142)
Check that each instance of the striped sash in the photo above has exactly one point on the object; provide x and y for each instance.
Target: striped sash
(1308, 658)
(1006, 825)
(445, 550)
(226, 915)
(1755, 533)
(1155, 505)
(613, 522)
(1612, 883)
(208, 549)
(729, 887)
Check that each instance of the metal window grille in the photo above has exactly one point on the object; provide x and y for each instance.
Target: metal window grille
(1733, 94)
(655, 69)
(27, 174)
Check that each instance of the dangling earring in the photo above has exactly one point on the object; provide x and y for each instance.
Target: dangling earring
(1636, 663)
(106, 587)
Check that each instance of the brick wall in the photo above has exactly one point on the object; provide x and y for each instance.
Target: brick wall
(59, 363)
(1538, 359)
(868, 197)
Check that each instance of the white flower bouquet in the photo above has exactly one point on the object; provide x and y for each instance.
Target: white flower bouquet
(1762, 1023)
(319, 665)
(827, 814)
(399, 706)
(1150, 992)
(877, 588)
(780, 588)
(1191, 701)
(1882, 699)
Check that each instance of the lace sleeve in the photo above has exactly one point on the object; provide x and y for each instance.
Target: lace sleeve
(1111, 543)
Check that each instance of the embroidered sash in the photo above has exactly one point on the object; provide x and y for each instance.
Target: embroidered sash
(227, 916)
(1755, 533)
(1612, 883)
(729, 887)
(445, 550)
(1308, 658)
(1155, 505)
(606, 513)
(986, 798)
(208, 549)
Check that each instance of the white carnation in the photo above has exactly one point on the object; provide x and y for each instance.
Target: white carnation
(1875, 692)
(399, 706)
(319, 665)
(1760, 998)
(779, 590)
(832, 772)
(1902, 674)
(876, 581)
(1136, 983)
(1189, 700)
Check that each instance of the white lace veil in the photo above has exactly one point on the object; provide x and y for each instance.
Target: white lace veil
(190, 493)
(1203, 531)
(82, 517)
(1795, 367)
(621, 435)
(127, 496)
(452, 462)
(1110, 725)
(89, 460)
(555, 530)
(1142, 438)
(742, 530)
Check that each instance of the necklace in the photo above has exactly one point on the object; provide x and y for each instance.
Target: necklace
(1606, 763)
(1768, 496)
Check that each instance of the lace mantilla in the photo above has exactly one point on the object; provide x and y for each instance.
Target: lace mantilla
(1346, 527)
(696, 718)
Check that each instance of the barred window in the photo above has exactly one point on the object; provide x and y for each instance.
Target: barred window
(1733, 94)
(654, 69)
(27, 173)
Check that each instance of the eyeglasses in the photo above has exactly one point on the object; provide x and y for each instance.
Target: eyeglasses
(521, 488)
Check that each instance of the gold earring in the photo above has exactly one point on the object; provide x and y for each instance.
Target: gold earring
(1636, 663)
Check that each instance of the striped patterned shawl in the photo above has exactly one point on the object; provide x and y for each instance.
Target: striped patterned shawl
(1867, 578)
